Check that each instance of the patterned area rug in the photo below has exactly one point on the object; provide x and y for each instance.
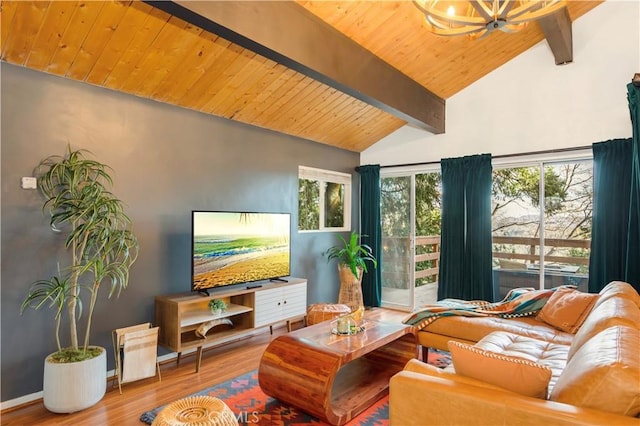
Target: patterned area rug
(252, 407)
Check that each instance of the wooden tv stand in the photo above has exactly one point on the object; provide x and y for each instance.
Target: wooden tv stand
(180, 315)
(336, 377)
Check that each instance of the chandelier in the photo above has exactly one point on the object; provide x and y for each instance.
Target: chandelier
(479, 18)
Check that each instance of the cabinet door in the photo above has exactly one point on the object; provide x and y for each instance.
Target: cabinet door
(280, 304)
(268, 307)
(294, 303)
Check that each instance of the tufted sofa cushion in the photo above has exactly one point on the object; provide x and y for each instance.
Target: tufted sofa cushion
(551, 355)
(604, 373)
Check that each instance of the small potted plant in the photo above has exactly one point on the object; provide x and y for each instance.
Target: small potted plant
(217, 306)
(351, 256)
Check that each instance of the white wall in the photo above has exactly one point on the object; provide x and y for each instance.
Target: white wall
(531, 104)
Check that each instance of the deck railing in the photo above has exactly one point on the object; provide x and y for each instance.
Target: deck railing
(396, 251)
(533, 243)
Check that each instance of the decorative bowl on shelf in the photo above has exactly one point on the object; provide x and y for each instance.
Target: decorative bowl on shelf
(217, 306)
(202, 330)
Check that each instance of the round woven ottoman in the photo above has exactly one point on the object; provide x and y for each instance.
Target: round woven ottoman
(196, 411)
(319, 312)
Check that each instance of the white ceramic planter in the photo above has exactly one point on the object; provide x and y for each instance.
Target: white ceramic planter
(75, 386)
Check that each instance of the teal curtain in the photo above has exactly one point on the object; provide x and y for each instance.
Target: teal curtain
(465, 249)
(615, 239)
(632, 275)
(452, 230)
(611, 196)
(371, 231)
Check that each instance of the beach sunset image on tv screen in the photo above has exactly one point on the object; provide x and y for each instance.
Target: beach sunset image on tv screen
(233, 247)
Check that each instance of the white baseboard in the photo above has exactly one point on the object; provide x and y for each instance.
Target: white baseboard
(4, 405)
(26, 399)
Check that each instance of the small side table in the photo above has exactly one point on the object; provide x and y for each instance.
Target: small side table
(319, 312)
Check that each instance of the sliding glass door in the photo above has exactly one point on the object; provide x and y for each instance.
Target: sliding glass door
(427, 236)
(396, 213)
(410, 216)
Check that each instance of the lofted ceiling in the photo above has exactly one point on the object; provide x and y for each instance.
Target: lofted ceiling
(135, 47)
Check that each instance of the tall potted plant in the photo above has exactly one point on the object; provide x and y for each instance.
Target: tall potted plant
(101, 249)
(352, 258)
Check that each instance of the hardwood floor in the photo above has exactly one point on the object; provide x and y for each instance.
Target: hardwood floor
(218, 365)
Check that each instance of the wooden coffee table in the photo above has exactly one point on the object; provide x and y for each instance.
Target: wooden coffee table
(336, 377)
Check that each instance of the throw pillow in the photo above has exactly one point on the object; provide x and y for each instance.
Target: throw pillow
(567, 309)
(508, 372)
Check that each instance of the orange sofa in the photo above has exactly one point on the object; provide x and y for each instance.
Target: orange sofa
(524, 371)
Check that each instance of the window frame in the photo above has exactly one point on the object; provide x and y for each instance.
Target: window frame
(323, 176)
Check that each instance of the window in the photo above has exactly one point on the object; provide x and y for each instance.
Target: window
(542, 225)
(324, 200)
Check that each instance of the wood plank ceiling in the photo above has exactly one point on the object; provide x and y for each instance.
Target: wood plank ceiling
(132, 47)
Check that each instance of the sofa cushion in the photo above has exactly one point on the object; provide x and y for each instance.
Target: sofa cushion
(508, 372)
(604, 373)
(473, 329)
(611, 312)
(551, 355)
(619, 289)
(567, 309)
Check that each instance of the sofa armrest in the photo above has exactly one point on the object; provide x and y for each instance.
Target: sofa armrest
(447, 399)
(423, 368)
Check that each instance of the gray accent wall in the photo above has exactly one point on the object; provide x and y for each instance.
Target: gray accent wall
(166, 162)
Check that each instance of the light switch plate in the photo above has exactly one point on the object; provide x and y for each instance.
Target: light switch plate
(29, 182)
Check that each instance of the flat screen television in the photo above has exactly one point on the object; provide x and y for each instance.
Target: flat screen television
(231, 248)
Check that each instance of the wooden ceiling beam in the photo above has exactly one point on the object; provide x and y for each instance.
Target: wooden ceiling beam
(286, 32)
(557, 30)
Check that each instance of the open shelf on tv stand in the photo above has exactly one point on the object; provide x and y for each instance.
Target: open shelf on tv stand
(200, 316)
(249, 309)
